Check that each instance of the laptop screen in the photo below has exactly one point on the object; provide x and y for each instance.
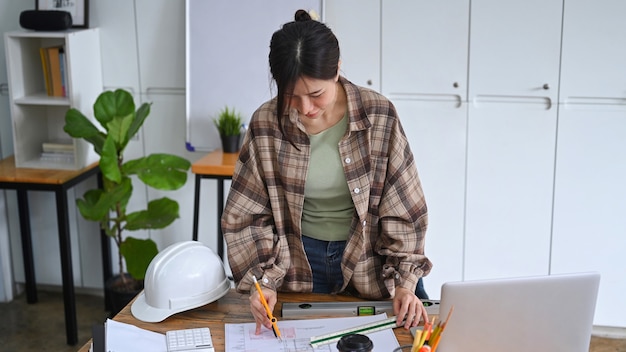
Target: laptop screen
(542, 313)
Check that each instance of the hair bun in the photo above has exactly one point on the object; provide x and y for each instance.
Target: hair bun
(302, 15)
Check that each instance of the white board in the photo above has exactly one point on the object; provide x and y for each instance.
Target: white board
(227, 47)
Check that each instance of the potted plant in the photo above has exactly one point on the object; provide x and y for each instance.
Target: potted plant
(115, 112)
(228, 123)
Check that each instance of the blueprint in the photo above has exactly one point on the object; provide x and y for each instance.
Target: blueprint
(296, 335)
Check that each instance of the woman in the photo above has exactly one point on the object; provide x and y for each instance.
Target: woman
(325, 196)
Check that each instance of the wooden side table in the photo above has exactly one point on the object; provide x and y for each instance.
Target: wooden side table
(23, 180)
(219, 166)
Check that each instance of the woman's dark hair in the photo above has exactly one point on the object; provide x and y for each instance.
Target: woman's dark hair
(304, 47)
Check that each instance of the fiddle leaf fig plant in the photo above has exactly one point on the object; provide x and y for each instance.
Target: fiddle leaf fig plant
(120, 122)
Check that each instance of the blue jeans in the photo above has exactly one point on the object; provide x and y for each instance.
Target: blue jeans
(325, 260)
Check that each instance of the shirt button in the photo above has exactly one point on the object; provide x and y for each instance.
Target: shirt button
(348, 160)
(357, 190)
(364, 223)
(265, 280)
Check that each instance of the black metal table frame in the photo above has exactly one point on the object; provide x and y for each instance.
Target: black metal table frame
(60, 191)
(220, 208)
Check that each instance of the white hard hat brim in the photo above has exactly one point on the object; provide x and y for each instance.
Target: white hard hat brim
(147, 313)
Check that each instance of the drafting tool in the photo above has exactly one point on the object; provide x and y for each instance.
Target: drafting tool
(388, 323)
(267, 309)
(292, 310)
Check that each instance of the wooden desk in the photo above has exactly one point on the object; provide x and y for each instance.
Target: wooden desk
(58, 181)
(219, 166)
(232, 308)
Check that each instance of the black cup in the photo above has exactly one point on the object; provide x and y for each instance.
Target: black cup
(355, 343)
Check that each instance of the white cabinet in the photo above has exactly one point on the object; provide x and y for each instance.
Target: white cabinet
(593, 68)
(513, 87)
(515, 48)
(161, 44)
(589, 202)
(590, 194)
(38, 118)
(356, 24)
(159, 127)
(436, 131)
(510, 166)
(425, 48)
(118, 37)
(424, 72)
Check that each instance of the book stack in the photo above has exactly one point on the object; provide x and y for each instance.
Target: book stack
(54, 66)
(58, 151)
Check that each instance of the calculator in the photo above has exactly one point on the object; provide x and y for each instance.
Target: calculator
(195, 339)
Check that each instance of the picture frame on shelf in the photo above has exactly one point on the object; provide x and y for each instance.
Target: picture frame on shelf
(79, 9)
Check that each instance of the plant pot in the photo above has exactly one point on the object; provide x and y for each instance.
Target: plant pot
(230, 144)
(118, 295)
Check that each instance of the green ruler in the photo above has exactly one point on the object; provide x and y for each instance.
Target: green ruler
(364, 329)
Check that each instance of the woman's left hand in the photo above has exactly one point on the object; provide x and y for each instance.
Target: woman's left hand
(407, 305)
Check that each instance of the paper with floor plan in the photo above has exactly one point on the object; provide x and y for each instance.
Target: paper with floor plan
(122, 337)
(296, 335)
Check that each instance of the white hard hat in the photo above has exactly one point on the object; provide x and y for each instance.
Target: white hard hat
(183, 276)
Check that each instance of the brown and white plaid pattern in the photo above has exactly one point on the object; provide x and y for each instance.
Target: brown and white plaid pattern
(261, 220)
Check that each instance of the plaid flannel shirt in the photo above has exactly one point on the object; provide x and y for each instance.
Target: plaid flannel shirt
(261, 219)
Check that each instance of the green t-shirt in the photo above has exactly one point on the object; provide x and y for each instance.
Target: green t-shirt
(328, 207)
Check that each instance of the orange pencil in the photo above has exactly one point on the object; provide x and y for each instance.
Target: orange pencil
(440, 331)
(430, 328)
(443, 326)
(434, 334)
(435, 343)
(426, 332)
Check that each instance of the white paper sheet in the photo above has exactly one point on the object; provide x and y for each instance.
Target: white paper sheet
(121, 337)
(296, 335)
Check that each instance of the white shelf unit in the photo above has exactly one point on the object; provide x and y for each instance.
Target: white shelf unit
(38, 118)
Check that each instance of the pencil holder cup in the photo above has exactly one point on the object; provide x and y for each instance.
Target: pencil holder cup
(355, 343)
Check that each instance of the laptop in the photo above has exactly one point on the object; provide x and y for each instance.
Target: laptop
(549, 313)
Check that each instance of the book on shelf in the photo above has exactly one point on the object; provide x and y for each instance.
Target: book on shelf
(58, 147)
(45, 67)
(63, 65)
(60, 157)
(56, 80)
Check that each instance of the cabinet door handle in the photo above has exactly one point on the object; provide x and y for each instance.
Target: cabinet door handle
(455, 84)
(546, 86)
(369, 82)
(4, 89)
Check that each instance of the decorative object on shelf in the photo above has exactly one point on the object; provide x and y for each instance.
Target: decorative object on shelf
(44, 20)
(228, 124)
(115, 111)
(78, 9)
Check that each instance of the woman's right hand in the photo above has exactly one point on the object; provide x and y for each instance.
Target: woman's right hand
(258, 310)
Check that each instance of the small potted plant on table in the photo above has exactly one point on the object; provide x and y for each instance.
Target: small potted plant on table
(228, 125)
